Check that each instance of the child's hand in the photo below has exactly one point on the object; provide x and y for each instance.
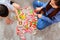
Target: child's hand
(39, 15)
(8, 21)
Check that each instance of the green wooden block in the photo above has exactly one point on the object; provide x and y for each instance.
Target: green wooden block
(19, 11)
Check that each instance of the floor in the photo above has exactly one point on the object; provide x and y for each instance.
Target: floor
(8, 32)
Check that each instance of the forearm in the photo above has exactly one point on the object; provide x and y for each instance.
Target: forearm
(16, 12)
(17, 6)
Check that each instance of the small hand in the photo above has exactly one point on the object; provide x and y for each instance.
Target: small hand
(8, 21)
(39, 15)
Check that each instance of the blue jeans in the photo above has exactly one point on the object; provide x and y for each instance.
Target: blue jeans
(37, 4)
(41, 24)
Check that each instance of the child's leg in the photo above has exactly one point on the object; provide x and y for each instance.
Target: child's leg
(17, 6)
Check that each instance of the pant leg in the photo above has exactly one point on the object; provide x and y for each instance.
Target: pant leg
(37, 4)
(41, 24)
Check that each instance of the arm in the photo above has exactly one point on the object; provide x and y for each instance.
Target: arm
(17, 6)
(13, 9)
(38, 9)
(16, 12)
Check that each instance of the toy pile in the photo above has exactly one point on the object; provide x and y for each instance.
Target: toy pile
(27, 22)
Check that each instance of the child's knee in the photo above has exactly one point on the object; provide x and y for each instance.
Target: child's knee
(39, 24)
(40, 28)
(37, 4)
(42, 24)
